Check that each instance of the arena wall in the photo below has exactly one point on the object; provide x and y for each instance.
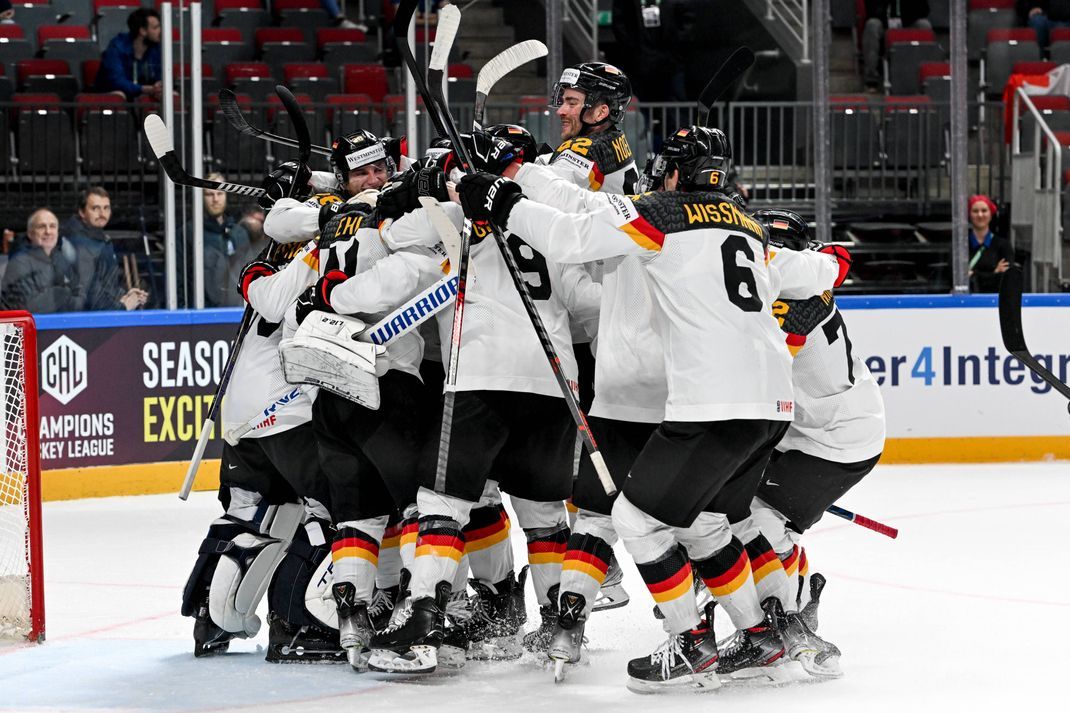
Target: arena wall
(123, 395)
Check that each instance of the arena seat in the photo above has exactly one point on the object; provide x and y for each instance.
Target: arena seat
(1003, 49)
(367, 79)
(906, 50)
(985, 15)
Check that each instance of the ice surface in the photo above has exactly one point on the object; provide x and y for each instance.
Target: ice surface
(966, 611)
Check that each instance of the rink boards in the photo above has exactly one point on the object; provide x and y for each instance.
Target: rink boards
(123, 395)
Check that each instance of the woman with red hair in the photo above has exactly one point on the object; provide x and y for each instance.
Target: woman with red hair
(990, 254)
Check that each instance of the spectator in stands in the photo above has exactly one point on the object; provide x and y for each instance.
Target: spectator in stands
(253, 221)
(98, 266)
(131, 63)
(335, 13)
(7, 13)
(990, 255)
(42, 277)
(1043, 15)
(880, 15)
(223, 237)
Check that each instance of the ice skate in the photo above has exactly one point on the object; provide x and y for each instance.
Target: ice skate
(354, 626)
(755, 652)
(612, 594)
(209, 639)
(454, 649)
(498, 615)
(685, 662)
(819, 658)
(568, 639)
(809, 612)
(382, 607)
(289, 643)
(539, 640)
(412, 645)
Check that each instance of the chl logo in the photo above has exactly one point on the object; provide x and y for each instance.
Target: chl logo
(64, 371)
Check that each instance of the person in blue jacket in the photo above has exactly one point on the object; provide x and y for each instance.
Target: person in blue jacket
(131, 64)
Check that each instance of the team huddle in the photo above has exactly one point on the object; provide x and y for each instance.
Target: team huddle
(727, 405)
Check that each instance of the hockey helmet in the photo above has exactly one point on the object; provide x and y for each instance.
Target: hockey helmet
(786, 229)
(702, 155)
(355, 150)
(520, 138)
(290, 179)
(600, 83)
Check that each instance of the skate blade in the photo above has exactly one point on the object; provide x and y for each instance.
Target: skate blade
(559, 670)
(779, 673)
(451, 656)
(695, 683)
(496, 648)
(419, 659)
(358, 658)
(827, 668)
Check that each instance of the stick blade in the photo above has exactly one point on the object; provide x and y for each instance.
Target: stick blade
(733, 68)
(1010, 310)
(160, 139)
(449, 21)
(506, 61)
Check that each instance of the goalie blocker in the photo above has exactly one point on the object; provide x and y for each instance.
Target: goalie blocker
(325, 352)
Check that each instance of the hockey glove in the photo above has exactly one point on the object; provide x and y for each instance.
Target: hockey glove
(489, 153)
(395, 148)
(487, 197)
(289, 180)
(253, 271)
(843, 256)
(318, 297)
(403, 196)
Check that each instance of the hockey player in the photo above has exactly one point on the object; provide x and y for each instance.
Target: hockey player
(713, 293)
(835, 440)
(276, 498)
(509, 425)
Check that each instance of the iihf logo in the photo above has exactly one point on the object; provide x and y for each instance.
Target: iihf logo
(64, 370)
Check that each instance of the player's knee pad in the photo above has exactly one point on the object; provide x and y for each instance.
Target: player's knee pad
(430, 503)
(532, 515)
(709, 533)
(592, 523)
(646, 537)
(771, 523)
(300, 591)
(234, 565)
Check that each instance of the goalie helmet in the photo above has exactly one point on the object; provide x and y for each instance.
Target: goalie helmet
(520, 139)
(702, 155)
(600, 83)
(786, 229)
(355, 150)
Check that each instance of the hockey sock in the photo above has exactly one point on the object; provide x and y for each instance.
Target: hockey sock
(671, 584)
(389, 572)
(460, 575)
(770, 579)
(727, 575)
(546, 552)
(487, 543)
(790, 562)
(804, 579)
(355, 554)
(439, 549)
(410, 531)
(585, 565)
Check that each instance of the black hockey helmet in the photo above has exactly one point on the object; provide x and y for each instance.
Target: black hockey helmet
(786, 229)
(702, 155)
(290, 179)
(600, 83)
(520, 138)
(355, 150)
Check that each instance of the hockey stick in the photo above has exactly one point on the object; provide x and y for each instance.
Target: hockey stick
(500, 65)
(1010, 324)
(865, 522)
(228, 103)
(221, 390)
(162, 144)
(431, 89)
(729, 73)
(297, 119)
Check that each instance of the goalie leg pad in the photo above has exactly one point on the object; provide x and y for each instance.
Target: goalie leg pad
(300, 590)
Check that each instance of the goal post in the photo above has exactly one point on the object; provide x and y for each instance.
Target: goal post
(22, 610)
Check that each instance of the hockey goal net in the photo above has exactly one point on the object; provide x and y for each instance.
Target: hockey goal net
(22, 612)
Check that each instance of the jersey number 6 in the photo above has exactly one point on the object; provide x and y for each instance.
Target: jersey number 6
(736, 275)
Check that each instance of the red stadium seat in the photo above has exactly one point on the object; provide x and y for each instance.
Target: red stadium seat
(62, 32)
(365, 79)
(90, 67)
(278, 34)
(293, 71)
(221, 34)
(339, 35)
(239, 70)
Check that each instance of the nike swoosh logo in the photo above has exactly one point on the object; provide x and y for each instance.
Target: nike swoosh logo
(232, 467)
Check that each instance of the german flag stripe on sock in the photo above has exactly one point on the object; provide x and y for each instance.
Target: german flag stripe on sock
(804, 566)
(410, 530)
(673, 586)
(587, 562)
(392, 537)
(570, 507)
(763, 561)
(440, 537)
(482, 536)
(547, 551)
(355, 544)
(726, 570)
(791, 562)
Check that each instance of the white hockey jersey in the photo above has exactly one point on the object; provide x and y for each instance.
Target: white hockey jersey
(291, 220)
(602, 161)
(257, 380)
(629, 376)
(839, 412)
(713, 293)
(500, 351)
